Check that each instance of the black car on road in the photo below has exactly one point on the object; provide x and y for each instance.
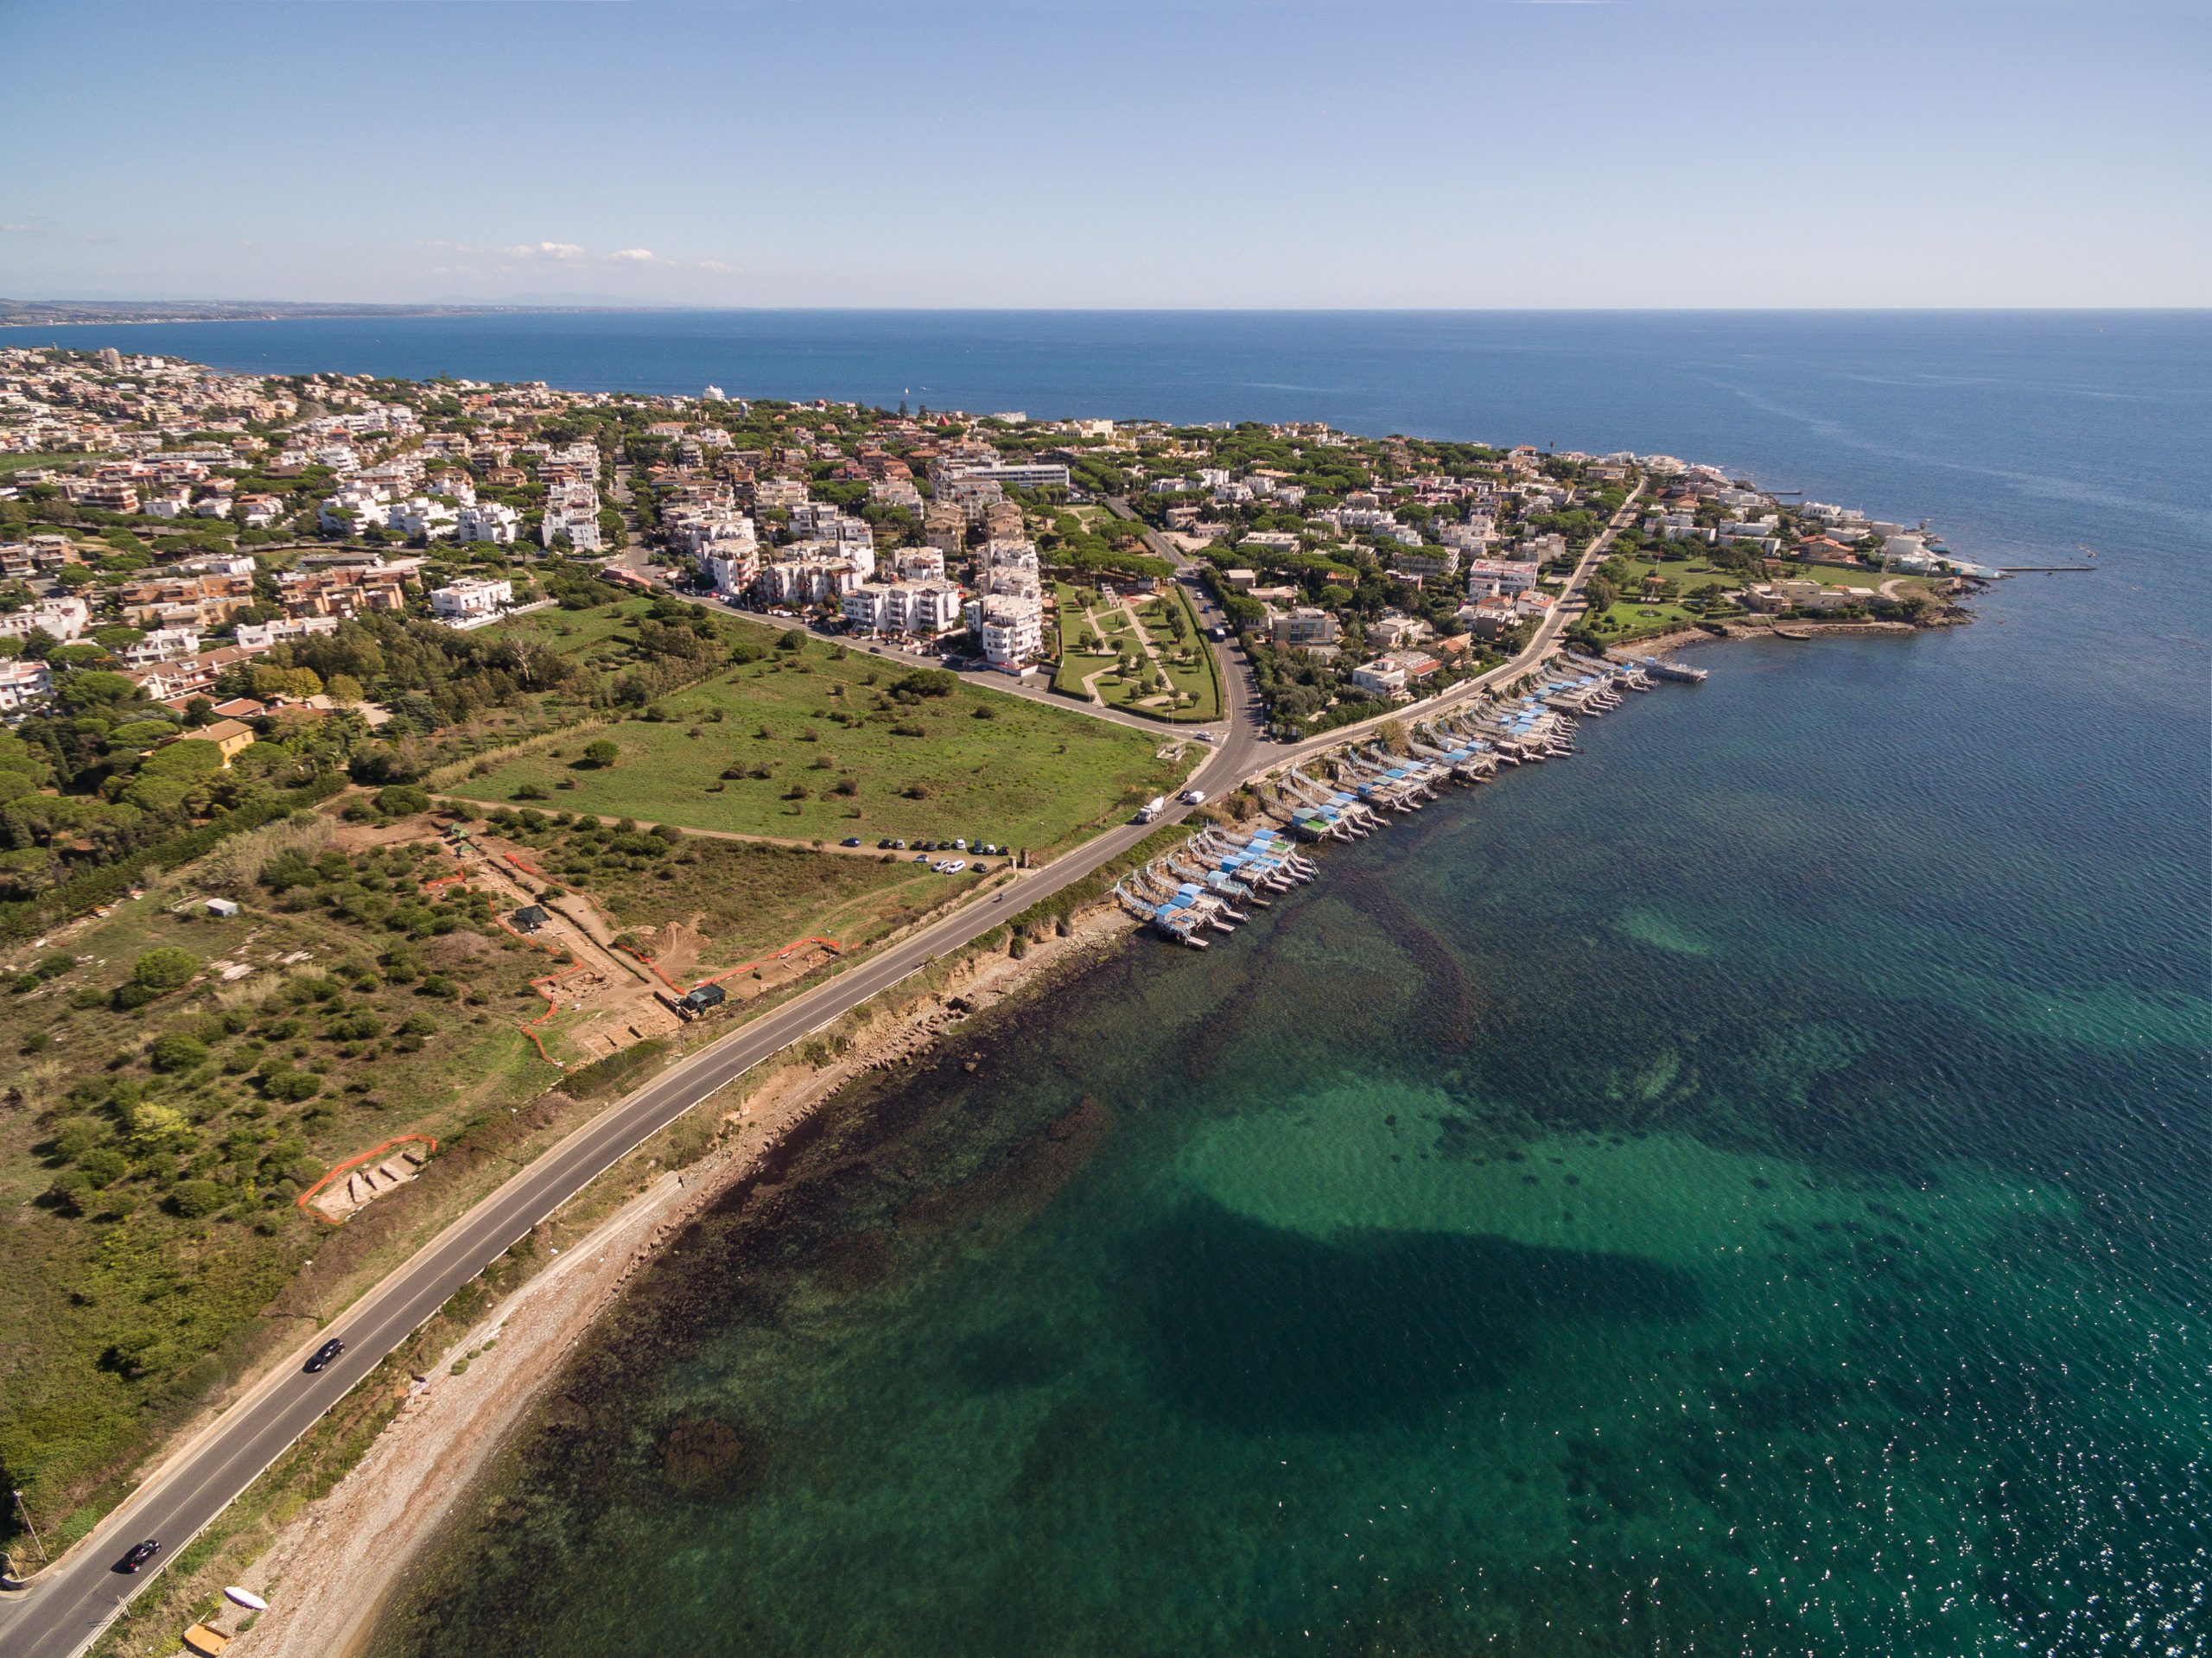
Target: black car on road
(323, 1354)
(138, 1555)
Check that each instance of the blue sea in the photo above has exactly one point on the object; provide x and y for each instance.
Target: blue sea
(1746, 1189)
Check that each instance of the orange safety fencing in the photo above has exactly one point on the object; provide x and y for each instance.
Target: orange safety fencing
(539, 985)
(829, 944)
(348, 1165)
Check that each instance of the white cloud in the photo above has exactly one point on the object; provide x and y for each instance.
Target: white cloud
(543, 250)
(636, 256)
(718, 267)
(17, 230)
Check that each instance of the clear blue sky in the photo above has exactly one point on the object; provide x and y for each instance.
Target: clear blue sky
(1109, 153)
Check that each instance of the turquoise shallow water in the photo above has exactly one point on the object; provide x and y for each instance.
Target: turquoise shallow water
(1741, 1190)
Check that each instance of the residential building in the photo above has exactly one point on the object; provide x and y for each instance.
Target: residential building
(1011, 627)
(347, 590)
(187, 676)
(1809, 597)
(491, 522)
(254, 638)
(422, 515)
(64, 617)
(23, 683)
(1380, 678)
(1306, 624)
(1392, 630)
(182, 601)
(1498, 575)
(472, 602)
(924, 608)
(1426, 562)
(162, 645)
(231, 738)
(807, 578)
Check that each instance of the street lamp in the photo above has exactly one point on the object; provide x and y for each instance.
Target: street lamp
(28, 1526)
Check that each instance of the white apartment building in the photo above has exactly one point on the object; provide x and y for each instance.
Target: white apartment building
(579, 523)
(924, 609)
(1011, 627)
(422, 515)
(730, 563)
(806, 580)
(491, 522)
(23, 683)
(472, 602)
(1489, 575)
(771, 494)
(64, 617)
(353, 508)
(1381, 676)
(162, 645)
(254, 638)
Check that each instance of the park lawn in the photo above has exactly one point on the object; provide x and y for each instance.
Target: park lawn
(1075, 667)
(1839, 576)
(1623, 621)
(123, 1303)
(1688, 574)
(745, 899)
(1112, 625)
(1197, 677)
(813, 744)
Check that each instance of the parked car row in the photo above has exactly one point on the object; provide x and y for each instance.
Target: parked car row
(959, 843)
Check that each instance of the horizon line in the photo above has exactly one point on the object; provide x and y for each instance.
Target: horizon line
(544, 308)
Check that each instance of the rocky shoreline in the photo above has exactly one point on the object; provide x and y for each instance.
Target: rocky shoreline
(334, 1568)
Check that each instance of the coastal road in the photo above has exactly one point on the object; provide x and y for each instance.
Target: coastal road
(66, 1605)
(1540, 646)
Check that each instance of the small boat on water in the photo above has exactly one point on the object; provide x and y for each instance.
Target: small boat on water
(244, 1597)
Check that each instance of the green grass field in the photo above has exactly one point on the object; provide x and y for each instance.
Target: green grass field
(805, 746)
(574, 632)
(1623, 621)
(27, 463)
(1688, 574)
(745, 898)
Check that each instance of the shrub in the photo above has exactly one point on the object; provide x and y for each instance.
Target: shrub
(177, 1051)
(403, 800)
(156, 973)
(196, 1199)
(164, 968)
